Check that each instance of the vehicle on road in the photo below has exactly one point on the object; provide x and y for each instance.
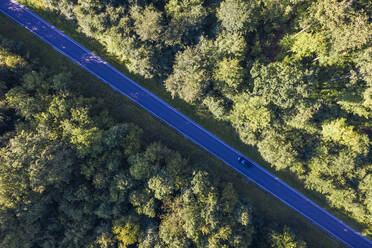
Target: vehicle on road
(244, 162)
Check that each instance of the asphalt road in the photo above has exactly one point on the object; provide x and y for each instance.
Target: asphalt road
(192, 131)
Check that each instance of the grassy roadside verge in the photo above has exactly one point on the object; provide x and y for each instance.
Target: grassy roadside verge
(123, 109)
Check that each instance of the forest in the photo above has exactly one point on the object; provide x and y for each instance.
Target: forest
(71, 175)
(293, 77)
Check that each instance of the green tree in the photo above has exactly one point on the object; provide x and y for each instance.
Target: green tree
(364, 64)
(23, 103)
(345, 28)
(81, 132)
(306, 45)
(65, 6)
(148, 22)
(126, 231)
(145, 165)
(216, 106)
(230, 44)
(238, 16)
(142, 60)
(144, 202)
(229, 74)
(286, 239)
(276, 149)
(11, 61)
(365, 187)
(277, 13)
(282, 84)
(151, 239)
(191, 75)
(250, 114)
(162, 185)
(171, 227)
(339, 131)
(201, 183)
(243, 214)
(186, 21)
(125, 136)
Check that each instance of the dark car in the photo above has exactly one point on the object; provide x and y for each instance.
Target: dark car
(244, 162)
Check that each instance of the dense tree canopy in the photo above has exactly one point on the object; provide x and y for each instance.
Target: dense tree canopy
(238, 16)
(72, 176)
(293, 77)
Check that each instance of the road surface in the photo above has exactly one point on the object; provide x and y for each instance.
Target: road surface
(188, 128)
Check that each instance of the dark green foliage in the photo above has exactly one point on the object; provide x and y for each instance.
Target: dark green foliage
(191, 73)
(292, 76)
(345, 29)
(286, 239)
(186, 20)
(148, 23)
(71, 176)
(238, 16)
(282, 85)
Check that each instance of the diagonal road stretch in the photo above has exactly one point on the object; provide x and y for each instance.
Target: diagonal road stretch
(188, 128)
